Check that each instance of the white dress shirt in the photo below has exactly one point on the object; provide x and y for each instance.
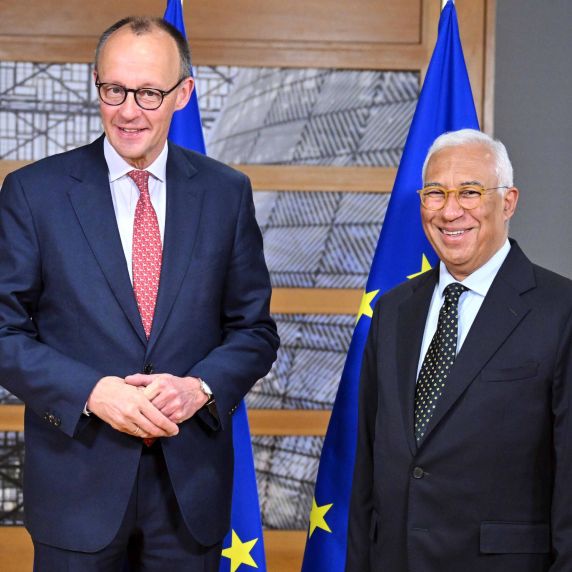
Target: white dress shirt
(125, 195)
(478, 284)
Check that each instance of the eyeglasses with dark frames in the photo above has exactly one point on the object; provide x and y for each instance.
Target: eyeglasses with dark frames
(469, 196)
(148, 98)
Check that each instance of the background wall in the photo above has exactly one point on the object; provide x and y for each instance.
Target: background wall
(533, 117)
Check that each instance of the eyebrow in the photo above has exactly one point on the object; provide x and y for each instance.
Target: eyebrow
(435, 183)
(472, 183)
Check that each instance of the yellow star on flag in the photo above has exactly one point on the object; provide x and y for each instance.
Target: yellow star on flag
(317, 515)
(239, 552)
(365, 308)
(424, 267)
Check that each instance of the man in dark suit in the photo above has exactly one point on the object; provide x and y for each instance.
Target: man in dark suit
(464, 455)
(134, 317)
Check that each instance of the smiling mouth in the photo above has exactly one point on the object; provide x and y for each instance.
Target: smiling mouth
(127, 130)
(453, 232)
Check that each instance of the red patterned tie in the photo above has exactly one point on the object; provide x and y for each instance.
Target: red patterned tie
(147, 251)
(147, 255)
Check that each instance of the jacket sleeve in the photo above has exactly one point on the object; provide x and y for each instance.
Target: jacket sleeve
(49, 383)
(250, 340)
(361, 517)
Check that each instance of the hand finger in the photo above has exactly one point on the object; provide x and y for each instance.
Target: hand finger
(152, 390)
(167, 408)
(151, 420)
(140, 433)
(139, 379)
(156, 419)
(149, 429)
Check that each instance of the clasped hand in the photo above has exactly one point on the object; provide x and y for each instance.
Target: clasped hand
(146, 405)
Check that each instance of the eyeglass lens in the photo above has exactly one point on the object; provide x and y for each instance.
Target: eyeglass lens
(468, 196)
(116, 95)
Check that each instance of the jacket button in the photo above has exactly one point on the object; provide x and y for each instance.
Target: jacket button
(148, 369)
(418, 473)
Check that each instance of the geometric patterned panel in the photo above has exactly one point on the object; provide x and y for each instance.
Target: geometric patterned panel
(309, 365)
(250, 115)
(50, 108)
(315, 117)
(45, 109)
(7, 398)
(320, 239)
(286, 469)
(11, 463)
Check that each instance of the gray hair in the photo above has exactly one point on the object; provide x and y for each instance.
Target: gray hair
(504, 170)
(140, 25)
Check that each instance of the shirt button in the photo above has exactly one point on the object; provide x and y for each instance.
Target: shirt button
(418, 473)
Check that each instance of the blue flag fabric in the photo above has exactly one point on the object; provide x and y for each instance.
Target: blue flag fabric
(445, 104)
(186, 128)
(243, 547)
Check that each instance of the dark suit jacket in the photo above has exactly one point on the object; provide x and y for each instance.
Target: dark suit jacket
(68, 316)
(489, 489)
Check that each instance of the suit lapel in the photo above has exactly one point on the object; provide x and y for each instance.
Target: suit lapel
(502, 310)
(181, 226)
(410, 328)
(91, 199)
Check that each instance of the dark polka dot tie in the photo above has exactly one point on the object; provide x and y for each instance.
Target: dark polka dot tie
(438, 360)
(147, 251)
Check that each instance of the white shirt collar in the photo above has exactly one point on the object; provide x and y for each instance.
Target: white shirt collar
(481, 279)
(119, 167)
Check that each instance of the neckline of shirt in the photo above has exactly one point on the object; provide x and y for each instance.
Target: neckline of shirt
(480, 281)
(118, 167)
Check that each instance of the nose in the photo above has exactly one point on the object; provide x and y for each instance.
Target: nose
(452, 208)
(129, 108)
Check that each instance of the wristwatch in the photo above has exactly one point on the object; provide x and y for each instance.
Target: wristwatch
(206, 390)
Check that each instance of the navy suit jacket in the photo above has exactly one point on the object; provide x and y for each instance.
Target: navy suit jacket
(489, 489)
(68, 317)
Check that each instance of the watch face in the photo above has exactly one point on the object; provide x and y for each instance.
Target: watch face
(205, 388)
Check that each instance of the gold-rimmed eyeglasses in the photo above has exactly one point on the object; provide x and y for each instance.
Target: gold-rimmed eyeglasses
(469, 196)
(148, 98)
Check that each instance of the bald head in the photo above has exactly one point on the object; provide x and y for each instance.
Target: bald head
(142, 25)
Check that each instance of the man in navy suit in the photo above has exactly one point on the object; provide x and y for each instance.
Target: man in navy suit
(134, 317)
(464, 456)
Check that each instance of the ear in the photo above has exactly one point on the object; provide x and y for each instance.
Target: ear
(510, 201)
(184, 93)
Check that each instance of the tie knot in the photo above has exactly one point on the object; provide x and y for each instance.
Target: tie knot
(453, 292)
(141, 179)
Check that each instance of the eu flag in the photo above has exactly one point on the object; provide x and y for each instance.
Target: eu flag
(186, 128)
(243, 547)
(445, 104)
